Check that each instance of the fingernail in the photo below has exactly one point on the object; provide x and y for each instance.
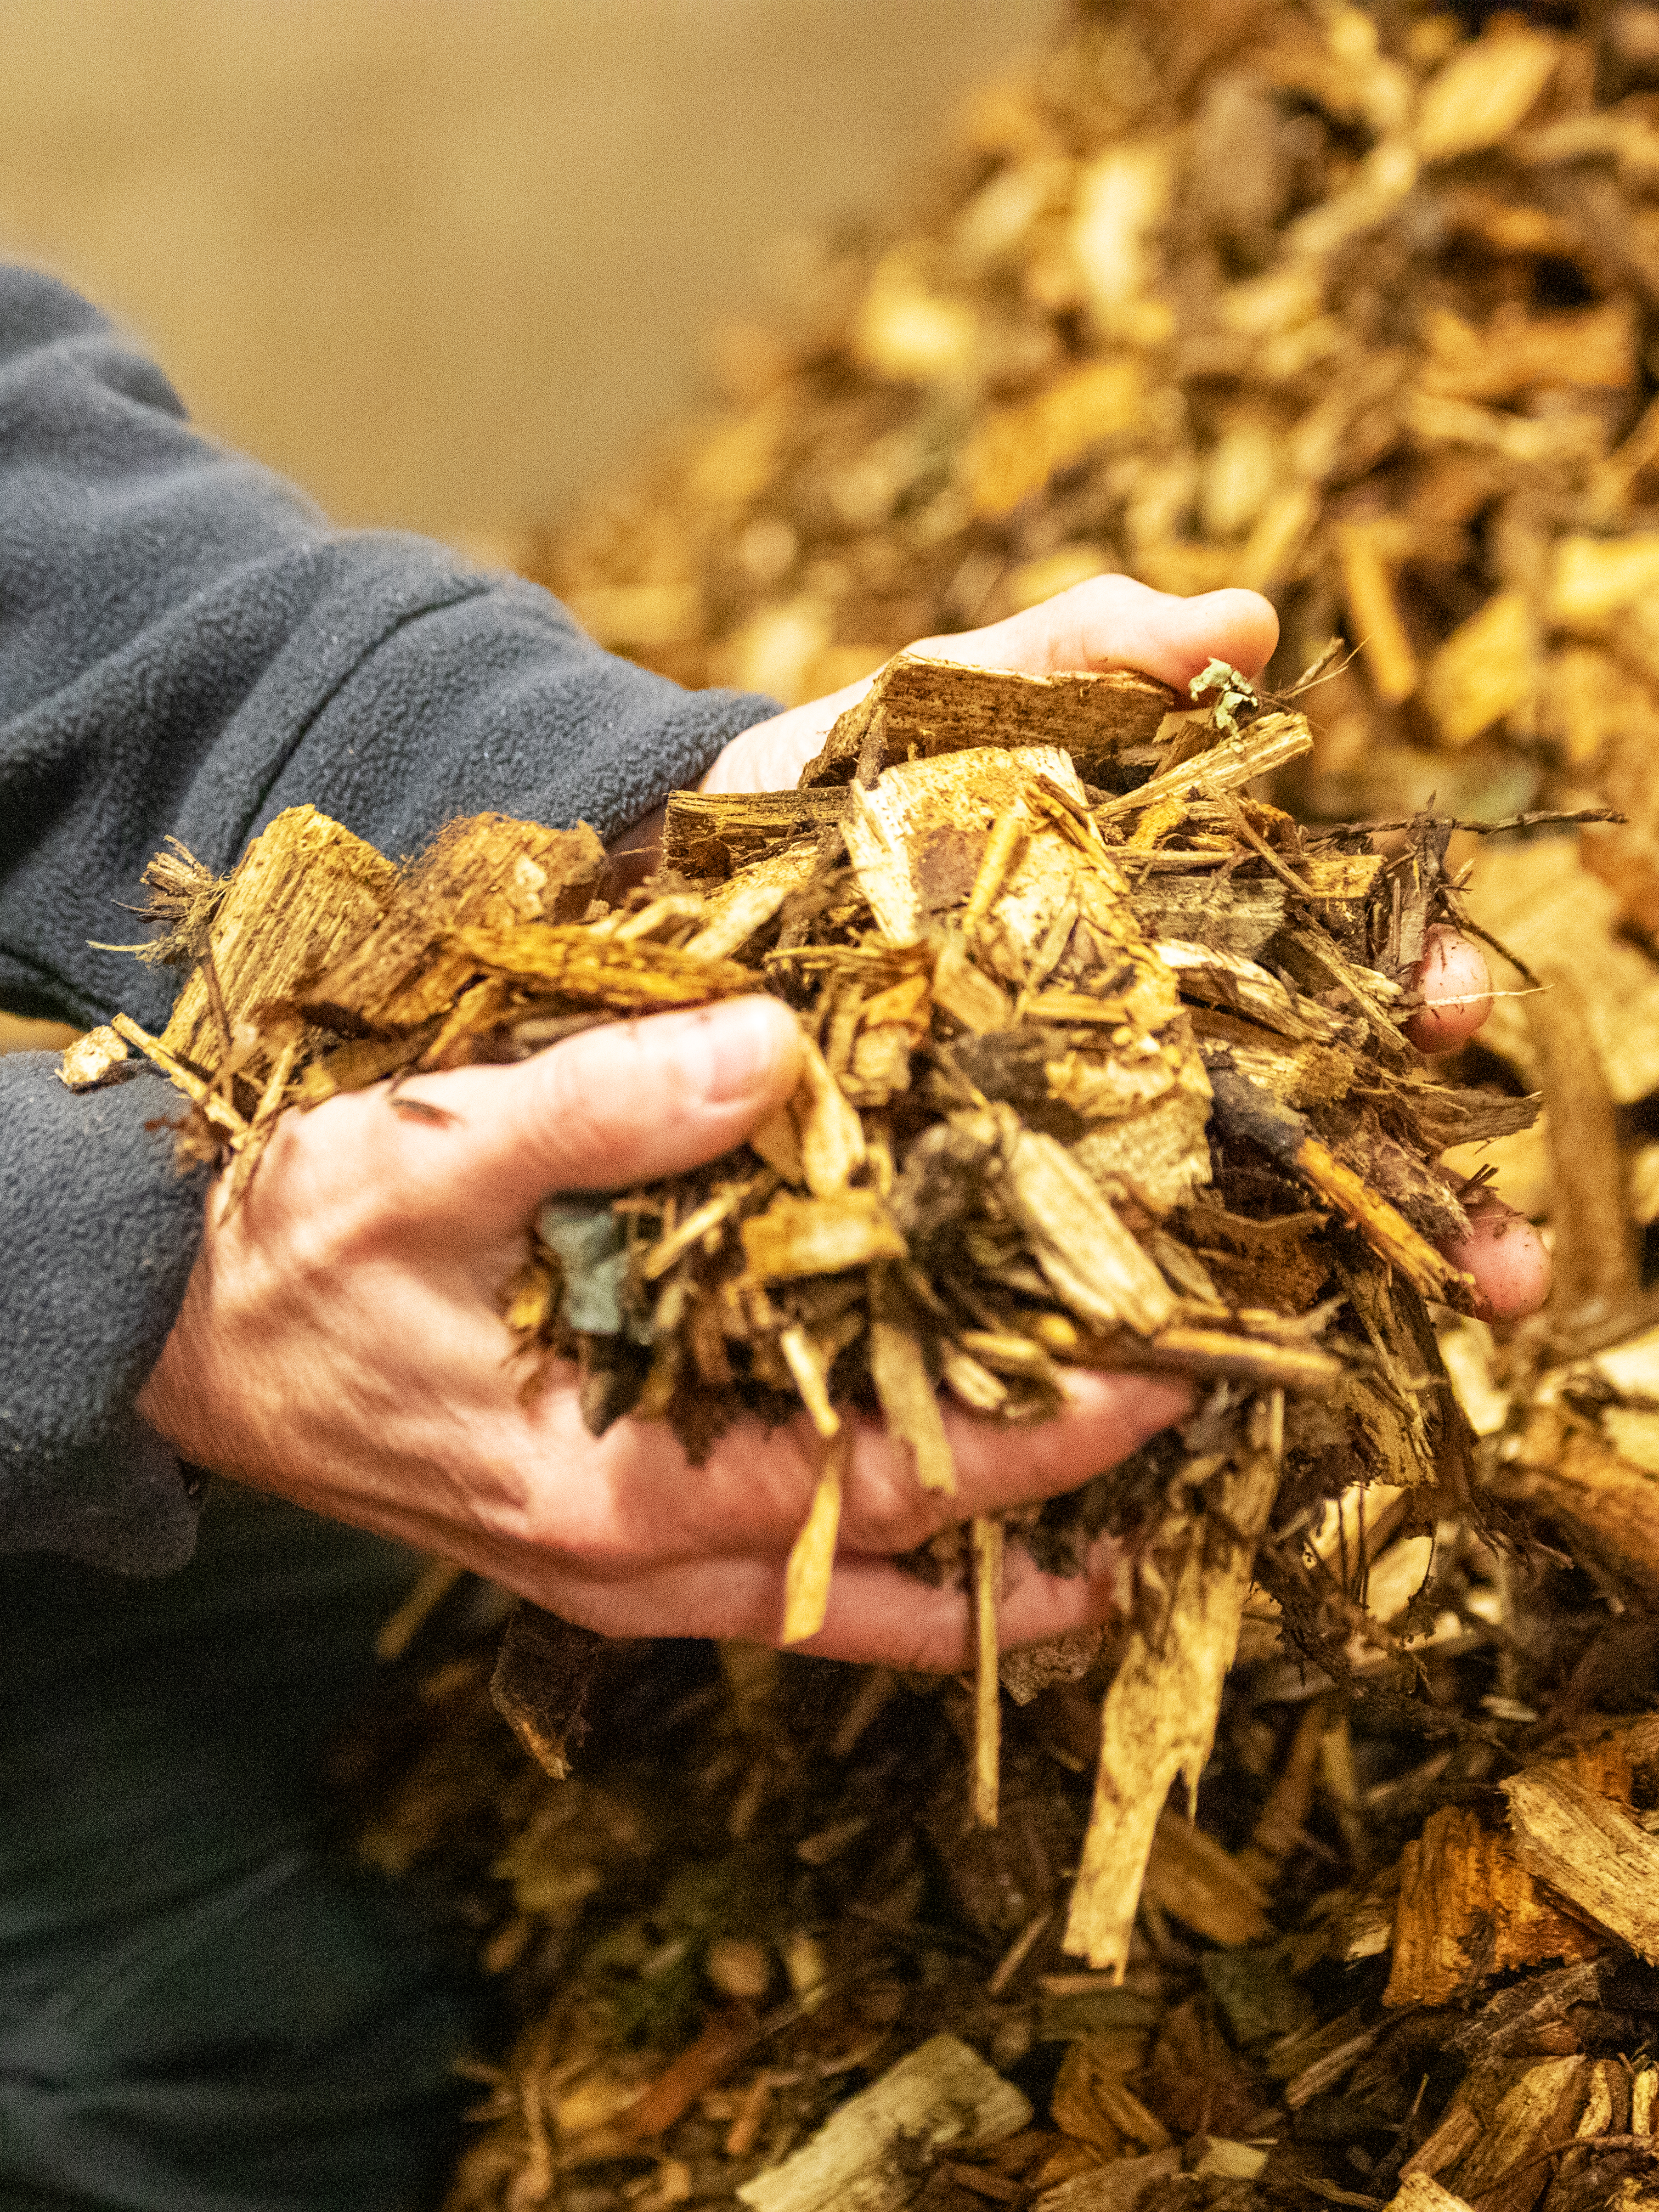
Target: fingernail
(753, 1045)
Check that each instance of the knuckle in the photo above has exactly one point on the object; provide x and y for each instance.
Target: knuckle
(891, 1513)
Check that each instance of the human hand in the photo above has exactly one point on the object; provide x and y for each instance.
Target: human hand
(341, 1345)
(1502, 1251)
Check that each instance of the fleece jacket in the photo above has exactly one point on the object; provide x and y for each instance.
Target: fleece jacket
(187, 648)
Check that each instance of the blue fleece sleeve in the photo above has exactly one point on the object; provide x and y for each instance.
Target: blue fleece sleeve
(186, 648)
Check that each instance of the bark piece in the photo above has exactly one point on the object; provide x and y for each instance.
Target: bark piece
(1541, 2108)
(1562, 1467)
(1191, 1876)
(709, 835)
(1219, 979)
(542, 1678)
(486, 873)
(305, 893)
(1597, 1294)
(1224, 914)
(1469, 1909)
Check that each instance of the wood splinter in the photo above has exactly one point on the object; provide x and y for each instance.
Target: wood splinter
(987, 1705)
(812, 1556)
(1158, 1721)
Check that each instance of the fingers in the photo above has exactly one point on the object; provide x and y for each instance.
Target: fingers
(1112, 622)
(1107, 1416)
(628, 1102)
(878, 1612)
(752, 1492)
(1507, 1257)
(1456, 987)
(1502, 1251)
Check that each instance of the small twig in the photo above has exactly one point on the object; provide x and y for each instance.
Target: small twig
(987, 1698)
(1323, 668)
(1546, 820)
(1244, 829)
(1479, 998)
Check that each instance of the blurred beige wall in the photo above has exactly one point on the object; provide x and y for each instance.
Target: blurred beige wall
(444, 261)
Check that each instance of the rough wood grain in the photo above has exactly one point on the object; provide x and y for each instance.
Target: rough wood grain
(918, 707)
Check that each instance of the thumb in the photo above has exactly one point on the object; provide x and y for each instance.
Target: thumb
(630, 1102)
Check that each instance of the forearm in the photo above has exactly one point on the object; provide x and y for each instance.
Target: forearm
(185, 648)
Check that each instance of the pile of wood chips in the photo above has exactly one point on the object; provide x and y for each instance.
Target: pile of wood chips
(1357, 307)
(1346, 303)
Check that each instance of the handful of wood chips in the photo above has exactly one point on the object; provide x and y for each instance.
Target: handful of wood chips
(1104, 1066)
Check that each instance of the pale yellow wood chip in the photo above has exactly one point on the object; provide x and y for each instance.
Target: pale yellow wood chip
(812, 1556)
(1081, 1246)
(828, 1131)
(1591, 1851)
(988, 1701)
(1484, 92)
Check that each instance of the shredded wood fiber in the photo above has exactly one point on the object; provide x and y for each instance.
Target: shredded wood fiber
(1034, 1129)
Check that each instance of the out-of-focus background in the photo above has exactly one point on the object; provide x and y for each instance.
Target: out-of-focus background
(446, 262)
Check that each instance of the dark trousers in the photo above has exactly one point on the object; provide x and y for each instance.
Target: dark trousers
(201, 2009)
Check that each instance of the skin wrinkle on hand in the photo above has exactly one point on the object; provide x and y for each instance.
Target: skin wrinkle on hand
(340, 1342)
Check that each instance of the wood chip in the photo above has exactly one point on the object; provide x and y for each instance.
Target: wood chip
(1158, 1721)
(1592, 1852)
(942, 2092)
(812, 1556)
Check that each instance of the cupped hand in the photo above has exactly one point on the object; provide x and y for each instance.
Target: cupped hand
(341, 1345)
